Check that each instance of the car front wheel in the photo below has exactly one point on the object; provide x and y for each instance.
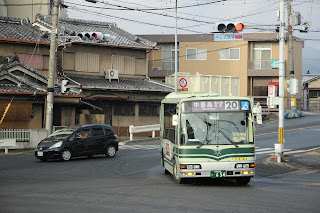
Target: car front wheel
(65, 155)
(111, 151)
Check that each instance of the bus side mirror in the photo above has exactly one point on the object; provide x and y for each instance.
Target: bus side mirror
(257, 111)
(175, 120)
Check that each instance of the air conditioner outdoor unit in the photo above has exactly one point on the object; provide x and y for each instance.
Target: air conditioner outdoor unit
(112, 74)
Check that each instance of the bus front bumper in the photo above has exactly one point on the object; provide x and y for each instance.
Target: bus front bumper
(217, 170)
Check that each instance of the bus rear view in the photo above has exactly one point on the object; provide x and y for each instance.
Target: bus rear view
(206, 135)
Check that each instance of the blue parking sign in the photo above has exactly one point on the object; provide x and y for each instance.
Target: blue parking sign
(245, 105)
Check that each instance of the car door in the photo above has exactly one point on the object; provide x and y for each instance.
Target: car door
(82, 141)
(98, 139)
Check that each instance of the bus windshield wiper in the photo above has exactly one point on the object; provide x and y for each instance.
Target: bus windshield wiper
(231, 141)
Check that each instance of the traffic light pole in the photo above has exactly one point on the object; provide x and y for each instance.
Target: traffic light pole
(279, 146)
(52, 68)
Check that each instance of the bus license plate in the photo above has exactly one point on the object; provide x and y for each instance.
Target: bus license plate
(218, 173)
(40, 154)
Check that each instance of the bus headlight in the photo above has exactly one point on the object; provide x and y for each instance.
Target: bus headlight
(245, 165)
(190, 166)
(239, 165)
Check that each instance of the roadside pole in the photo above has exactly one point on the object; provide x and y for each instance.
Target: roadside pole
(279, 147)
(52, 68)
(176, 51)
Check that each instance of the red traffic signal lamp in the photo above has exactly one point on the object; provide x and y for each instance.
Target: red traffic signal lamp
(96, 36)
(229, 27)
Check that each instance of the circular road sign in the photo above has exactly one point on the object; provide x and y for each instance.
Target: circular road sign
(183, 82)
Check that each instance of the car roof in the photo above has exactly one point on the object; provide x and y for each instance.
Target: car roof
(89, 125)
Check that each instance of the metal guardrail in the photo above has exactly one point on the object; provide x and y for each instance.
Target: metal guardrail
(21, 135)
(146, 128)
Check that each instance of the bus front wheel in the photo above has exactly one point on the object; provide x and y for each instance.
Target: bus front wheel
(243, 180)
(176, 174)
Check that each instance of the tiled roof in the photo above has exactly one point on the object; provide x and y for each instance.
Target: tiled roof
(69, 27)
(20, 29)
(124, 84)
(7, 63)
(25, 84)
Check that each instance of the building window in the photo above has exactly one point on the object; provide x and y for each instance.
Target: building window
(229, 54)
(168, 57)
(124, 64)
(262, 56)
(149, 109)
(87, 62)
(197, 54)
(124, 109)
(314, 93)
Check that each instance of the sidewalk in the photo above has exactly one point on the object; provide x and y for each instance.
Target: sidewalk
(300, 162)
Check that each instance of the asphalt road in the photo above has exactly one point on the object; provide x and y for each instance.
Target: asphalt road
(134, 181)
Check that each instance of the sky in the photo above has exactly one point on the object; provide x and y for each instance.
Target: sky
(201, 16)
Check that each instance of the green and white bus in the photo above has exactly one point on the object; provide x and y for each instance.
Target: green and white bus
(207, 135)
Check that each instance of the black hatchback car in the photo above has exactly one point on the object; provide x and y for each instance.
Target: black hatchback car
(79, 140)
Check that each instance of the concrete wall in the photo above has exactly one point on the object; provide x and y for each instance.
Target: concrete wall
(36, 135)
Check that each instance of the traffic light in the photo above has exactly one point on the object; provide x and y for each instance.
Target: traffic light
(96, 36)
(65, 86)
(229, 27)
(293, 88)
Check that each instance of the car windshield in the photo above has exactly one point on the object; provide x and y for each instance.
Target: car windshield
(61, 134)
(212, 128)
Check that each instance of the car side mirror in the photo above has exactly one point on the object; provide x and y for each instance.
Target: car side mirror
(175, 120)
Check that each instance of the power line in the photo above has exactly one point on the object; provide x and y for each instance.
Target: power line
(131, 20)
(139, 10)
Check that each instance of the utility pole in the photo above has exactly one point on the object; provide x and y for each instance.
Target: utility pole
(279, 146)
(290, 52)
(176, 50)
(52, 68)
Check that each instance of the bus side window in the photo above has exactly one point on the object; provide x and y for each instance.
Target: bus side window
(169, 129)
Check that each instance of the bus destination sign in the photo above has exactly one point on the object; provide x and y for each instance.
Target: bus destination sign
(219, 105)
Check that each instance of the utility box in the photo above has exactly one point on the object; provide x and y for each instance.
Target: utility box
(293, 86)
(222, 85)
(295, 19)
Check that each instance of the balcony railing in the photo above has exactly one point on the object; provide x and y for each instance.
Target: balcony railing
(260, 64)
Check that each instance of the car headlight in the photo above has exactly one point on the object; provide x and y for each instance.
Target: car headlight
(56, 145)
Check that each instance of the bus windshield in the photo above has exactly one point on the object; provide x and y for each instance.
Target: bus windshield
(214, 128)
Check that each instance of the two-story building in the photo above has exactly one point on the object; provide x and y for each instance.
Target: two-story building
(252, 57)
(128, 97)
